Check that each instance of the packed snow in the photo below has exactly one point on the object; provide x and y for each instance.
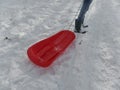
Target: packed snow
(92, 61)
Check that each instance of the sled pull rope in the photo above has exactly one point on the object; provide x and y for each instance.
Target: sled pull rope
(72, 21)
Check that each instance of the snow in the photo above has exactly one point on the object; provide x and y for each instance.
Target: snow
(92, 62)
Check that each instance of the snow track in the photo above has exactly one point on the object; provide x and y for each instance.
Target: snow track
(100, 49)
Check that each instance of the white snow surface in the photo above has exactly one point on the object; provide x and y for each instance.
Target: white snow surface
(92, 62)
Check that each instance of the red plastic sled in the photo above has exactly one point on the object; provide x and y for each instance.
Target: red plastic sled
(46, 51)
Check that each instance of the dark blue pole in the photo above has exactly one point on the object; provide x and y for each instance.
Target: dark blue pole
(79, 21)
